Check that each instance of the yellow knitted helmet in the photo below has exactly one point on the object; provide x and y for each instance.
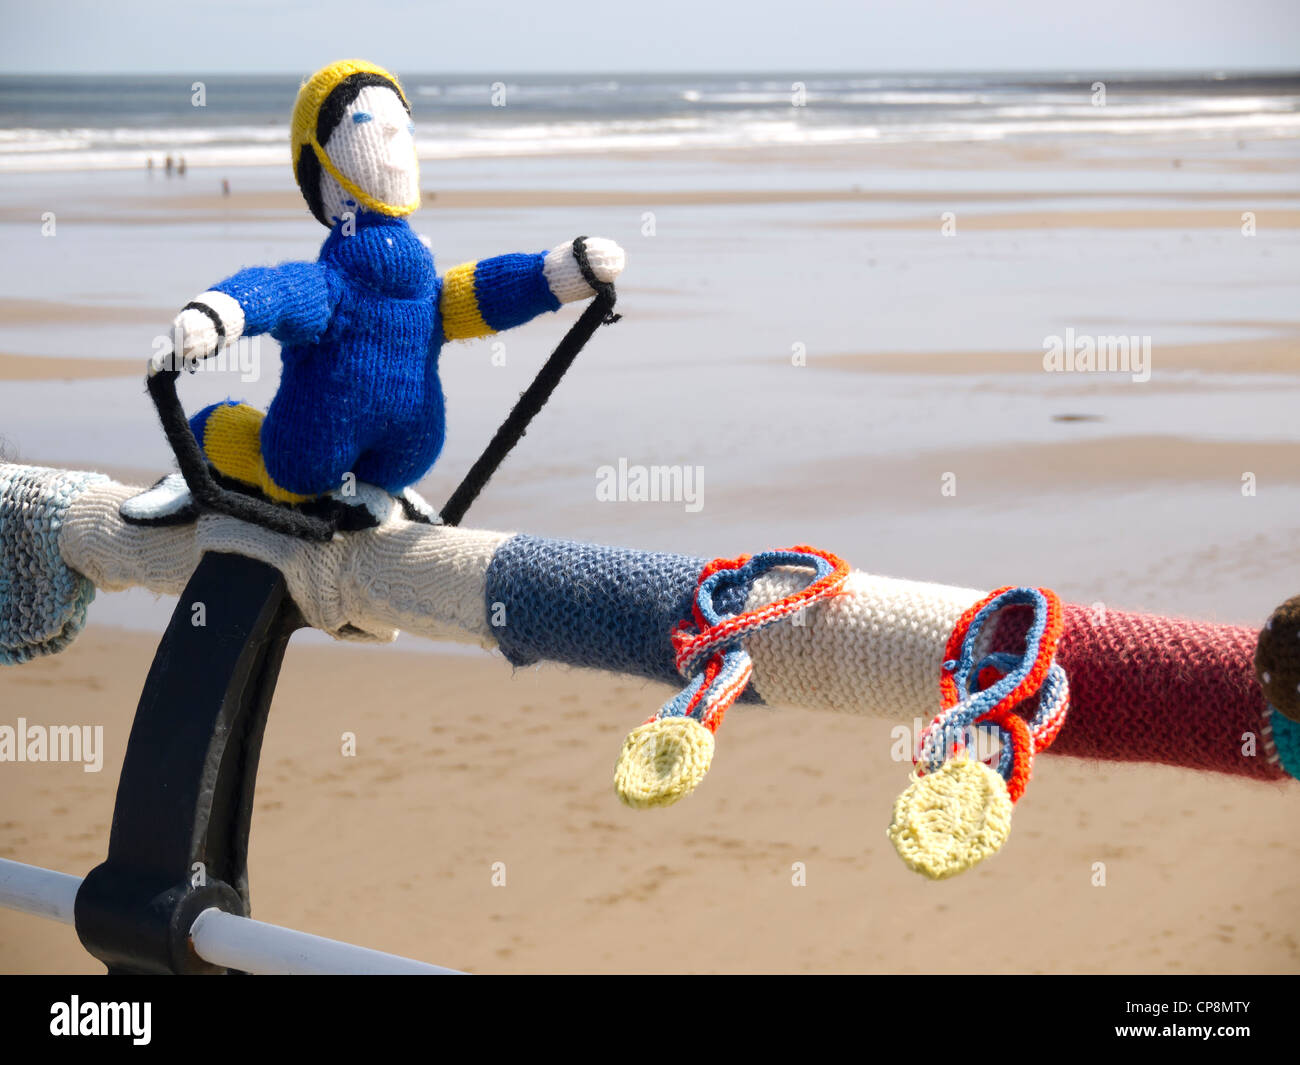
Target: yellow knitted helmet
(321, 102)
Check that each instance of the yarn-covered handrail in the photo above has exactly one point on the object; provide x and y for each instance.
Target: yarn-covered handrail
(751, 629)
(1142, 688)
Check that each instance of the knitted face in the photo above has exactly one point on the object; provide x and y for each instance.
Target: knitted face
(373, 147)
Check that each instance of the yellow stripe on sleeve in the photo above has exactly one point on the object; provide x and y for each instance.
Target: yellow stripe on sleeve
(461, 317)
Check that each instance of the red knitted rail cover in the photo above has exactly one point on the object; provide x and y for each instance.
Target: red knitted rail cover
(1153, 689)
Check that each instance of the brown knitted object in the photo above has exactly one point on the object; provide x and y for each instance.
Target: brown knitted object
(1277, 659)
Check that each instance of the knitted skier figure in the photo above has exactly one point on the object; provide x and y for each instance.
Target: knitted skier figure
(360, 328)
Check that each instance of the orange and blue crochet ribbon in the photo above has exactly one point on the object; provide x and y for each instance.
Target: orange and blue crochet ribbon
(957, 810)
(715, 640)
(984, 692)
(667, 756)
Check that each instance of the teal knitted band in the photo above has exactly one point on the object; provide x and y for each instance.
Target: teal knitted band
(1286, 738)
(42, 601)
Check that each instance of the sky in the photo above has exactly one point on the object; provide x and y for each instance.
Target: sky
(611, 36)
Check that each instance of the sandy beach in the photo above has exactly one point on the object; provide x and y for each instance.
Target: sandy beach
(461, 764)
(924, 355)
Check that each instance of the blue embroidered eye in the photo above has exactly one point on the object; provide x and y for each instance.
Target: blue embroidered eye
(361, 116)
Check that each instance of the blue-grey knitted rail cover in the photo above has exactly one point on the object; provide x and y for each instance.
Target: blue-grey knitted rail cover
(42, 602)
(582, 604)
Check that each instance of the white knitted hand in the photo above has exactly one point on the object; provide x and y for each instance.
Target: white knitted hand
(194, 331)
(196, 334)
(564, 276)
(194, 337)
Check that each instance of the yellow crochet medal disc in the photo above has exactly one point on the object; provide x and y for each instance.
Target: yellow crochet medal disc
(662, 761)
(950, 820)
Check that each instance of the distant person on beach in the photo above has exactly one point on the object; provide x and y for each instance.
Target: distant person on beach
(149, 165)
(180, 167)
(225, 186)
(169, 166)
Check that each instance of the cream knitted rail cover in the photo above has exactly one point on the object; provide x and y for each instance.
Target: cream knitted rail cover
(1142, 688)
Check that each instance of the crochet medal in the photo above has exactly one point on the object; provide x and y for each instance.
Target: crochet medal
(665, 758)
(957, 810)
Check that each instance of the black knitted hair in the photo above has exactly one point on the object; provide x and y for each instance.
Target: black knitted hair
(306, 168)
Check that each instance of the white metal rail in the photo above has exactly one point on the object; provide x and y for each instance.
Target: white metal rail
(220, 938)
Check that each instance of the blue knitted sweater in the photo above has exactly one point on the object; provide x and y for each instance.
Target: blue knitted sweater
(360, 332)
